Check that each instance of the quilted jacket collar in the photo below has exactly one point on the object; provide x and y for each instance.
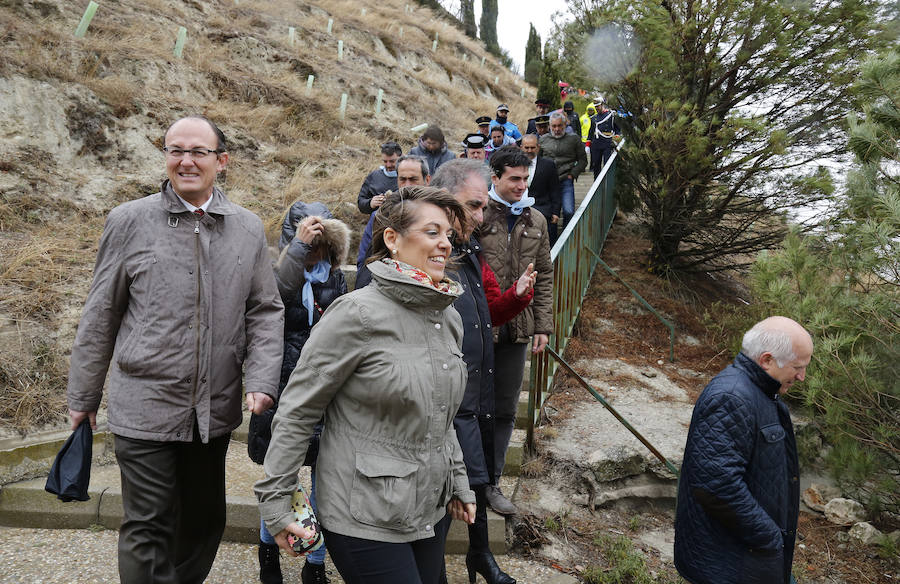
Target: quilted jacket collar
(757, 375)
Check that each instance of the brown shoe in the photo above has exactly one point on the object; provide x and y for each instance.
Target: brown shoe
(498, 502)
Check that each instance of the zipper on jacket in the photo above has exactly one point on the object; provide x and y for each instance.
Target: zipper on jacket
(196, 316)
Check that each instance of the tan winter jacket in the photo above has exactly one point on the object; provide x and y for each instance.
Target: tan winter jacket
(509, 253)
(180, 306)
(385, 366)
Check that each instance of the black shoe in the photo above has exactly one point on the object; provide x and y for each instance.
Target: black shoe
(314, 574)
(485, 564)
(269, 564)
(498, 502)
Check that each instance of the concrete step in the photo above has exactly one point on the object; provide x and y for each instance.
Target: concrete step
(522, 411)
(515, 454)
(26, 504)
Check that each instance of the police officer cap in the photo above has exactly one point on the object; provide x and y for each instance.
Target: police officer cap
(483, 120)
(541, 101)
(474, 141)
(503, 107)
(542, 120)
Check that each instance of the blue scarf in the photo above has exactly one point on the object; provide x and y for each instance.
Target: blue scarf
(514, 208)
(318, 275)
(389, 173)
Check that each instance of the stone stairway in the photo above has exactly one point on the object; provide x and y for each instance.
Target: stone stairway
(24, 503)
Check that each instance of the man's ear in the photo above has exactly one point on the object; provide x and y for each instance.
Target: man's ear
(495, 180)
(221, 161)
(766, 361)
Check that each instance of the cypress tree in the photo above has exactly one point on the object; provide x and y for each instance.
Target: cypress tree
(467, 16)
(489, 25)
(533, 59)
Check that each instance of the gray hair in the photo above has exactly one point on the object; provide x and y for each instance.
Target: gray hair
(422, 162)
(452, 174)
(762, 338)
(559, 116)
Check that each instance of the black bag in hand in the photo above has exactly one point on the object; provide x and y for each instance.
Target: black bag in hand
(71, 471)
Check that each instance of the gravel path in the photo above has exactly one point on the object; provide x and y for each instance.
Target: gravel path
(81, 556)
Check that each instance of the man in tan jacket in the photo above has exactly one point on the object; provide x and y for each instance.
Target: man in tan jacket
(512, 236)
(183, 300)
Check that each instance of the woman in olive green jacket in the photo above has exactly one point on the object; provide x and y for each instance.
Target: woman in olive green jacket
(385, 366)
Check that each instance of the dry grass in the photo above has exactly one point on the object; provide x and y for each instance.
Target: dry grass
(238, 68)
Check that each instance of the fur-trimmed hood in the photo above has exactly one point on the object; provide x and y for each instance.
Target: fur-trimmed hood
(335, 235)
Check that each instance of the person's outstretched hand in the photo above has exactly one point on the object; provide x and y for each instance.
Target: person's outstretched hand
(525, 283)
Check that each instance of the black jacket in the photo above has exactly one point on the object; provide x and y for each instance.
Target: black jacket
(739, 490)
(475, 417)
(376, 183)
(296, 316)
(544, 188)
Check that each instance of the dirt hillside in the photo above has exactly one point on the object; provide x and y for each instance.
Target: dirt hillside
(82, 119)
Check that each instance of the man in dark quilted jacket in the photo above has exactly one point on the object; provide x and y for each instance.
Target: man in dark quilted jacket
(739, 491)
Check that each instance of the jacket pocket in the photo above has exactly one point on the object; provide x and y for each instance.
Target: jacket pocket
(762, 567)
(384, 491)
(773, 433)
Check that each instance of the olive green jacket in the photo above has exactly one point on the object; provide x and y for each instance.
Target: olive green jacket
(385, 366)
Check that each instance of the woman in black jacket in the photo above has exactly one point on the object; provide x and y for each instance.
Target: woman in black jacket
(313, 246)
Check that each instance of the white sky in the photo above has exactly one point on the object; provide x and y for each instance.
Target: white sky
(513, 18)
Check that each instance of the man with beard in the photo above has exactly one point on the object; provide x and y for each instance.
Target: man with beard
(567, 151)
(433, 148)
(502, 120)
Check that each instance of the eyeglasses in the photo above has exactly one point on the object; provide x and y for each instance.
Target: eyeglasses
(194, 153)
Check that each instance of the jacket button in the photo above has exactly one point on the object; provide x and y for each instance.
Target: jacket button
(443, 366)
(443, 408)
(476, 326)
(427, 528)
(435, 490)
(488, 325)
(438, 448)
(479, 285)
(178, 434)
(490, 370)
(437, 325)
(188, 380)
(190, 326)
(476, 371)
(202, 380)
(190, 271)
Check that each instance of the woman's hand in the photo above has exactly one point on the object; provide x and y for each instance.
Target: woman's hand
(309, 229)
(525, 283)
(281, 538)
(461, 511)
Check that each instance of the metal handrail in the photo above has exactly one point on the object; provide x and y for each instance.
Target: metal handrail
(572, 272)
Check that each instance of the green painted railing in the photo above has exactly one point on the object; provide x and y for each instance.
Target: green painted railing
(574, 259)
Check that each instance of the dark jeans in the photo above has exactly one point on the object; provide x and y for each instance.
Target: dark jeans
(173, 495)
(509, 367)
(364, 561)
(567, 189)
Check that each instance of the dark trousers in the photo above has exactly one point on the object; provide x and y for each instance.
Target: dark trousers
(364, 561)
(509, 367)
(478, 531)
(173, 494)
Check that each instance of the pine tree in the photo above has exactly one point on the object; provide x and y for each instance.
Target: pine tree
(489, 25)
(844, 285)
(734, 103)
(533, 59)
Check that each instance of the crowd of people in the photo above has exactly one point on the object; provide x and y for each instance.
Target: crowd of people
(400, 395)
